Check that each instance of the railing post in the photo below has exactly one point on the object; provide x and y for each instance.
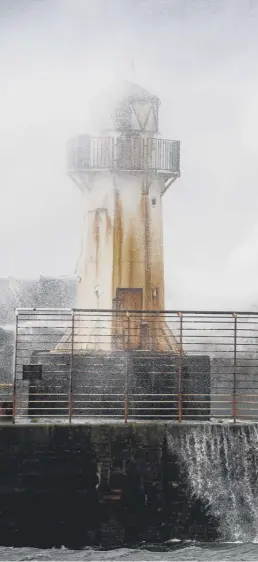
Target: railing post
(126, 390)
(14, 369)
(70, 398)
(180, 368)
(234, 369)
(128, 329)
(126, 370)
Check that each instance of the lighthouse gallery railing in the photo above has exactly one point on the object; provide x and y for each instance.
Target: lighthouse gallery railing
(123, 153)
(217, 358)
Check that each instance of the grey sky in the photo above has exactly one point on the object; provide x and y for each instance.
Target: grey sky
(201, 59)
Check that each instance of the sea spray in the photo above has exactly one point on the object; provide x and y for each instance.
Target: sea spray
(221, 466)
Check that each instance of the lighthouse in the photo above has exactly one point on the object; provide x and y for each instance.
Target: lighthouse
(117, 355)
(123, 172)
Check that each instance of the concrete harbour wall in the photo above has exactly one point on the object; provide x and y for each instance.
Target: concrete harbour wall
(108, 484)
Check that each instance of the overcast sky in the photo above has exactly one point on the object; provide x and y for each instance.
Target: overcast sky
(201, 59)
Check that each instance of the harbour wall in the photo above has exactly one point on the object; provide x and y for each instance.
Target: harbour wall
(112, 484)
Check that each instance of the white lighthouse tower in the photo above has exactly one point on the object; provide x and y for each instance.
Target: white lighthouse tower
(123, 172)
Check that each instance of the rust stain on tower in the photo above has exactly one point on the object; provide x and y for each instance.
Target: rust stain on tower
(96, 237)
(108, 227)
(117, 245)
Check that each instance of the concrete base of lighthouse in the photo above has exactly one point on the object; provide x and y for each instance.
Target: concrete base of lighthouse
(138, 385)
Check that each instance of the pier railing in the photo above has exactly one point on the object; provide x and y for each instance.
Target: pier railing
(76, 365)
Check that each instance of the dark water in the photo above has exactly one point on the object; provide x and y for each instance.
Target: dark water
(174, 551)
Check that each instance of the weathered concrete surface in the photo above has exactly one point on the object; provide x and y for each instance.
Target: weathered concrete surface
(108, 484)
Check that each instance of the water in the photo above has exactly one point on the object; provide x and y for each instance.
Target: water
(175, 551)
(221, 465)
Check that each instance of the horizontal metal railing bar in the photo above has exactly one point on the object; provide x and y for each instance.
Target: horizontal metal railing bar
(224, 326)
(240, 400)
(63, 408)
(122, 394)
(240, 416)
(191, 339)
(170, 386)
(49, 402)
(53, 386)
(155, 405)
(131, 416)
(21, 309)
(50, 342)
(42, 394)
(241, 409)
(247, 359)
(153, 416)
(229, 329)
(217, 351)
(142, 311)
(227, 374)
(100, 401)
(209, 350)
(160, 394)
(222, 344)
(61, 416)
(121, 408)
(27, 331)
(152, 372)
(117, 416)
(197, 338)
(203, 408)
(217, 337)
(54, 372)
(135, 409)
(205, 416)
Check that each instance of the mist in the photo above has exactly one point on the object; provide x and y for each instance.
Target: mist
(200, 58)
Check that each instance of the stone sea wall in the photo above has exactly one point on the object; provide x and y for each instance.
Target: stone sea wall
(97, 484)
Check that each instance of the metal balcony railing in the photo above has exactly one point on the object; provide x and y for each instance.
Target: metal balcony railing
(87, 153)
(213, 375)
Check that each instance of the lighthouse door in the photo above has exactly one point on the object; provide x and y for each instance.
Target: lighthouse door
(127, 328)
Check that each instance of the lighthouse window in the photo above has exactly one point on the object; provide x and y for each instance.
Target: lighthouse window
(153, 201)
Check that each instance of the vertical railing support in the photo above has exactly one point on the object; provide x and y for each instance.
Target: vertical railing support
(128, 330)
(234, 369)
(70, 397)
(126, 370)
(180, 361)
(14, 369)
(126, 390)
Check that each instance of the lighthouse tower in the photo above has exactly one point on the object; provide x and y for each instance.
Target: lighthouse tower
(118, 357)
(123, 172)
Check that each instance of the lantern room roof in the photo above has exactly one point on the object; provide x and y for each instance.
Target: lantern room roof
(130, 90)
(112, 96)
